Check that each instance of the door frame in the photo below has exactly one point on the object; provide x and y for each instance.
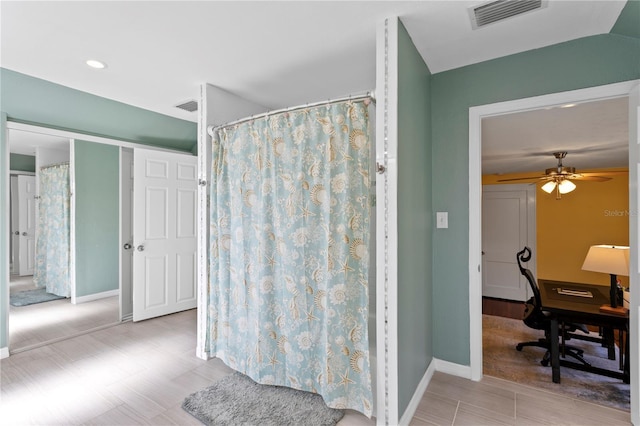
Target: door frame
(476, 114)
(72, 136)
(125, 221)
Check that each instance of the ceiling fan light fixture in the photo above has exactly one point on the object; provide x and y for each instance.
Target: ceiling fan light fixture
(566, 186)
(549, 187)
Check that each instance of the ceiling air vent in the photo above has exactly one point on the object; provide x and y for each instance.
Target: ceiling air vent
(502, 9)
(190, 106)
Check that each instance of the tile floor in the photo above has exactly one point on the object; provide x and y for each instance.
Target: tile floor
(451, 400)
(43, 322)
(139, 373)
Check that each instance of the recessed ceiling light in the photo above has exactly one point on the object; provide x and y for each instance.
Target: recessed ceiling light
(96, 64)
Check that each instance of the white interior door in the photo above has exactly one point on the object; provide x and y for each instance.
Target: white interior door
(26, 224)
(164, 233)
(505, 231)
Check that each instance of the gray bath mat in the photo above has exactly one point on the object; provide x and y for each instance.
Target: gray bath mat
(238, 400)
(31, 297)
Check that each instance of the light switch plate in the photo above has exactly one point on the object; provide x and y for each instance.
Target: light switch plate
(442, 219)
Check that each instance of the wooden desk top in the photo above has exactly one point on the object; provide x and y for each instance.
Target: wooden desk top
(576, 297)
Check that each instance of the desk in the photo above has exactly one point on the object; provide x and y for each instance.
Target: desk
(580, 303)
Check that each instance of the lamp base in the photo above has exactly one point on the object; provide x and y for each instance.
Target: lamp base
(620, 311)
(613, 291)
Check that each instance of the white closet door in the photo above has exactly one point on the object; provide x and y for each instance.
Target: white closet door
(164, 233)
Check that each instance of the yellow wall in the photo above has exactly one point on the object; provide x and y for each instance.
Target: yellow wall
(594, 213)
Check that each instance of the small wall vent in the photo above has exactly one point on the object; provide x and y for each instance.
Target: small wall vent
(191, 106)
(502, 9)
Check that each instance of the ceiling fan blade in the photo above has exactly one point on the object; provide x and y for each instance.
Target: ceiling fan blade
(605, 172)
(590, 178)
(530, 178)
(511, 155)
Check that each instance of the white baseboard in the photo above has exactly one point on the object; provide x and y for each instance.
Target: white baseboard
(96, 296)
(4, 352)
(410, 411)
(447, 367)
(435, 365)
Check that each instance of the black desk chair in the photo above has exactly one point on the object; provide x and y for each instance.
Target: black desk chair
(538, 319)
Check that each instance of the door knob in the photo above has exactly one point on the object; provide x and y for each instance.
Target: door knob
(127, 246)
(140, 247)
(17, 232)
(24, 234)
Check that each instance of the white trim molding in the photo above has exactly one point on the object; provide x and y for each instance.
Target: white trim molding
(441, 366)
(452, 368)
(72, 220)
(634, 241)
(387, 405)
(410, 411)
(96, 296)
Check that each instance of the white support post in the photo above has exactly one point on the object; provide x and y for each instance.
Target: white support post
(216, 107)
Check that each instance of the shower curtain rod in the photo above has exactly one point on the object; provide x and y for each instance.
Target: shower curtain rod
(368, 95)
(54, 165)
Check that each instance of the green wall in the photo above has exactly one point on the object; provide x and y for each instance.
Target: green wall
(97, 173)
(587, 62)
(24, 163)
(628, 23)
(34, 101)
(31, 100)
(414, 219)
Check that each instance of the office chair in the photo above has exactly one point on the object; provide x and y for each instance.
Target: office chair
(538, 319)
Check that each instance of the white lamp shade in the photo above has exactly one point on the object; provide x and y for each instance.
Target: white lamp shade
(549, 186)
(566, 186)
(607, 259)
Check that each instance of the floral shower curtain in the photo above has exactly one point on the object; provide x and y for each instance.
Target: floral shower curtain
(52, 247)
(288, 293)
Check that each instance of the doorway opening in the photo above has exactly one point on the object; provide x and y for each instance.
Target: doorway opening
(477, 115)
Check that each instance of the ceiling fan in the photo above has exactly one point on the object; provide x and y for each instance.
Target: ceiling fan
(560, 178)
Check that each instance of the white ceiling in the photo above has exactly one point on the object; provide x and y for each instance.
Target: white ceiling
(594, 135)
(26, 143)
(275, 54)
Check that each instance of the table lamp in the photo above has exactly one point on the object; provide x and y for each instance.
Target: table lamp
(608, 259)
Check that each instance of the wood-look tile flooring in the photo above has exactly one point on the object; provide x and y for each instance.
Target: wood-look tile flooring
(451, 400)
(139, 373)
(128, 374)
(45, 322)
